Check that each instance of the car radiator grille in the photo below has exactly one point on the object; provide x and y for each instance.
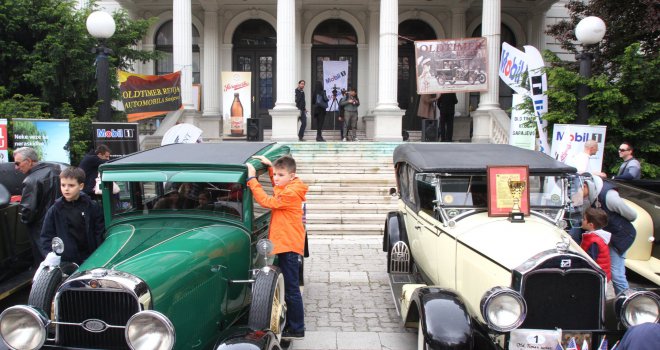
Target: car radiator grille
(570, 301)
(112, 307)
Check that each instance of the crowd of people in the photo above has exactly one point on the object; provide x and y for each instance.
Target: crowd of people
(344, 104)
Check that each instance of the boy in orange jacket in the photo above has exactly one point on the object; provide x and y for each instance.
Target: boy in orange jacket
(286, 232)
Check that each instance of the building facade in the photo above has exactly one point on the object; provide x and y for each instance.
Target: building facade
(284, 41)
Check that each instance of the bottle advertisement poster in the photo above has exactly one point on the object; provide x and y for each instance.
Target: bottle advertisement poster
(4, 157)
(236, 102)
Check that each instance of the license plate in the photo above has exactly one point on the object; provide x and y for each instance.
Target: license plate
(538, 339)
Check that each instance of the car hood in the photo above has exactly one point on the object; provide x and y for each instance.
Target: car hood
(135, 246)
(507, 243)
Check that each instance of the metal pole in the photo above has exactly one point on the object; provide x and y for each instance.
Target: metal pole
(103, 83)
(583, 90)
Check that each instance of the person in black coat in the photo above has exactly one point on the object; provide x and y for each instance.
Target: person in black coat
(41, 187)
(90, 165)
(320, 106)
(75, 218)
(301, 105)
(447, 104)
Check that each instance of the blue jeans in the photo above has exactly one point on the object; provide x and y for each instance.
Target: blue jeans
(289, 263)
(303, 125)
(618, 268)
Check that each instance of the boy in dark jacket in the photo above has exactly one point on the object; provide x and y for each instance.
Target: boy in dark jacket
(75, 218)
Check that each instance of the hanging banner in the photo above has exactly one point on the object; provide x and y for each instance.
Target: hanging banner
(522, 132)
(538, 81)
(455, 65)
(335, 78)
(568, 140)
(121, 138)
(4, 156)
(146, 96)
(236, 102)
(512, 66)
(48, 137)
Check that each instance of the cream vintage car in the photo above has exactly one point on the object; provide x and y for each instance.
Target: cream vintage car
(471, 280)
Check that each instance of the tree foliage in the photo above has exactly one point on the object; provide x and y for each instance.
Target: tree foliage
(626, 73)
(48, 64)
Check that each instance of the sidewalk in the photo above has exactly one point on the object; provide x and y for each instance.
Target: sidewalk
(348, 303)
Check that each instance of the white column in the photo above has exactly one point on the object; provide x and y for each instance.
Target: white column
(148, 66)
(490, 28)
(387, 114)
(211, 77)
(536, 29)
(458, 31)
(285, 114)
(182, 33)
(374, 31)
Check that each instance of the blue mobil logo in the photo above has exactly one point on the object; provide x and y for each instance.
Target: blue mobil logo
(511, 66)
(114, 133)
(579, 136)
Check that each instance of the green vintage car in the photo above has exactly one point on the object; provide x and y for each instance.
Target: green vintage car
(183, 265)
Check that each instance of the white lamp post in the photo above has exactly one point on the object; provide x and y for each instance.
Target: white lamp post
(101, 25)
(590, 30)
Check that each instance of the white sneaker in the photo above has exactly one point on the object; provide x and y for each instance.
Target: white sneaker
(356, 139)
(344, 139)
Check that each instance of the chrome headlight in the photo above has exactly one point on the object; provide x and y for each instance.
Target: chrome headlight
(150, 330)
(639, 307)
(503, 309)
(23, 327)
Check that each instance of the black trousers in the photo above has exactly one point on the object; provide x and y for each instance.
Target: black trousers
(320, 120)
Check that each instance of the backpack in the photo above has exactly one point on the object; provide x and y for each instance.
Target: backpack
(321, 102)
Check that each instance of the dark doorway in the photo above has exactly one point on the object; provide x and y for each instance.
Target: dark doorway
(410, 31)
(254, 48)
(333, 40)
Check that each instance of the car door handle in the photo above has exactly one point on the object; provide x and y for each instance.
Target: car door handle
(418, 227)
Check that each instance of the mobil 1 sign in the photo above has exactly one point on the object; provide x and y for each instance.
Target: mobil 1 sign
(568, 140)
(121, 138)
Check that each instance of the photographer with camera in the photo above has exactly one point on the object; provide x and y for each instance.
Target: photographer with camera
(320, 106)
(350, 103)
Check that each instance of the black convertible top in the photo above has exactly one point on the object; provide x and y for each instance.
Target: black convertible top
(196, 153)
(474, 158)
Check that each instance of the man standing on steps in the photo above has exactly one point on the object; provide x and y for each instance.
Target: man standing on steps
(300, 104)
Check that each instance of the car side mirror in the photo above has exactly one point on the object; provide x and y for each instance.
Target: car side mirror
(4, 196)
(393, 192)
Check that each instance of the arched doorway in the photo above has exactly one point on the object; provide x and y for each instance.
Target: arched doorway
(333, 40)
(409, 31)
(506, 93)
(254, 47)
(164, 43)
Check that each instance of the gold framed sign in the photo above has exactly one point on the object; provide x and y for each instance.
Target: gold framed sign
(508, 191)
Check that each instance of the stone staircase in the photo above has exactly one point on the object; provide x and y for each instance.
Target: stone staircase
(349, 185)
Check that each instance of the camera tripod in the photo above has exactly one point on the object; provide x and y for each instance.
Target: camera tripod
(334, 107)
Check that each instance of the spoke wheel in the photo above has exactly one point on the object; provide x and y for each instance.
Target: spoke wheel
(268, 308)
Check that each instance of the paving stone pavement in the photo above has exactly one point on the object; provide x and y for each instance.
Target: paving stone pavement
(348, 303)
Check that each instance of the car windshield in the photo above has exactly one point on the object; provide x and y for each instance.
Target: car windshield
(458, 195)
(154, 197)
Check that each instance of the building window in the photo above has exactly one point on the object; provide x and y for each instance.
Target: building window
(254, 33)
(164, 43)
(334, 32)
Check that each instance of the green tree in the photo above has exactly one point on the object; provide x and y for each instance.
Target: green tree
(46, 44)
(626, 73)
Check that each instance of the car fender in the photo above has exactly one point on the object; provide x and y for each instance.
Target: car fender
(395, 231)
(446, 321)
(245, 338)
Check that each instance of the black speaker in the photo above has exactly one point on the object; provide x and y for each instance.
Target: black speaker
(255, 130)
(429, 130)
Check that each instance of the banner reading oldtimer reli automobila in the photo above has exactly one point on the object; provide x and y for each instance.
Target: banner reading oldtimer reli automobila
(454, 65)
(146, 96)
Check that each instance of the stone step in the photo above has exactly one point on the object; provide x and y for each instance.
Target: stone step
(358, 179)
(346, 229)
(342, 208)
(332, 189)
(350, 199)
(343, 218)
(341, 169)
